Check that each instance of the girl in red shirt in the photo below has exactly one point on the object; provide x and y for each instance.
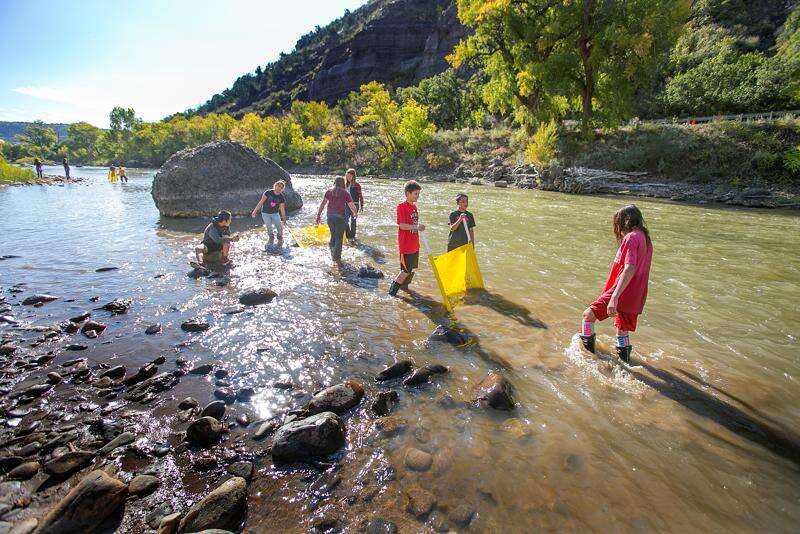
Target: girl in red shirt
(625, 291)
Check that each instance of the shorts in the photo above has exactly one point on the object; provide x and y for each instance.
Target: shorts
(625, 322)
(409, 262)
(211, 246)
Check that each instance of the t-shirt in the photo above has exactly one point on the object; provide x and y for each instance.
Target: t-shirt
(217, 234)
(458, 237)
(337, 200)
(407, 241)
(633, 251)
(273, 202)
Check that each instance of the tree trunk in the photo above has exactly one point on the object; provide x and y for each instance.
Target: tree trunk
(585, 49)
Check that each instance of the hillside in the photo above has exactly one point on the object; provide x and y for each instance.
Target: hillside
(9, 130)
(398, 42)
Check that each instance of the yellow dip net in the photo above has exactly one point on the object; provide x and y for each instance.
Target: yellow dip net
(311, 236)
(456, 272)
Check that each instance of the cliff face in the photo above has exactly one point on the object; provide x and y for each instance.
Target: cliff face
(398, 42)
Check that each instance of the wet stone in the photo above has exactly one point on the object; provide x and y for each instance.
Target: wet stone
(53, 377)
(123, 439)
(241, 469)
(385, 403)
(243, 419)
(380, 526)
(205, 463)
(75, 347)
(220, 373)
(204, 432)
(225, 394)
(194, 326)
(461, 515)
(152, 329)
(143, 484)
(223, 508)
(215, 409)
(188, 403)
(66, 464)
(257, 297)
(265, 429)
(80, 318)
(244, 394)
(419, 502)
(337, 399)
(395, 370)
(24, 471)
(203, 369)
(418, 460)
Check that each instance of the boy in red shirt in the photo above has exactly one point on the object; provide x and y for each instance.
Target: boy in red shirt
(626, 287)
(408, 228)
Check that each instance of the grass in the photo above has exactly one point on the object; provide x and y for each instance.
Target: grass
(12, 174)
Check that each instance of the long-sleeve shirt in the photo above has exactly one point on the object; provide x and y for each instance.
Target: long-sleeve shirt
(217, 234)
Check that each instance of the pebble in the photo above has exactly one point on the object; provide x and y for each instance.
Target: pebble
(419, 501)
(152, 329)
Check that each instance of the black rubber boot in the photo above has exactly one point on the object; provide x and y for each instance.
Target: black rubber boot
(394, 288)
(409, 278)
(588, 342)
(624, 353)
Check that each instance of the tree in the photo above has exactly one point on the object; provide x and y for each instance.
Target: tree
(38, 138)
(381, 112)
(452, 101)
(82, 139)
(313, 117)
(122, 119)
(415, 130)
(546, 58)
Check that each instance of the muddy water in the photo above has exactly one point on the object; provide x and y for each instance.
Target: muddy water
(703, 435)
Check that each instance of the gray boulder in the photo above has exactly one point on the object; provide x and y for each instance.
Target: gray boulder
(338, 399)
(219, 175)
(307, 439)
(223, 508)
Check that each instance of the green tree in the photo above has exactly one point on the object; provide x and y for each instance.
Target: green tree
(415, 130)
(545, 58)
(452, 101)
(313, 117)
(381, 112)
(37, 138)
(82, 141)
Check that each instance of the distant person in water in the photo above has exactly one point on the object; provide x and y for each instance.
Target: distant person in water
(337, 200)
(38, 165)
(66, 168)
(112, 174)
(354, 188)
(461, 223)
(625, 291)
(123, 174)
(408, 229)
(273, 211)
(217, 239)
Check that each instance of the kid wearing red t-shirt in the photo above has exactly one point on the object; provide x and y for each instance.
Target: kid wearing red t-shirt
(626, 287)
(408, 228)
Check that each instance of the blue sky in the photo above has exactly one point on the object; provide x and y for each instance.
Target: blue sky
(66, 61)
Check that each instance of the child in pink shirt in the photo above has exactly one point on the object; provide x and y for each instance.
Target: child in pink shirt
(625, 291)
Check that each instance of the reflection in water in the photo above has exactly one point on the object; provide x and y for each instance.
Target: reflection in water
(698, 437)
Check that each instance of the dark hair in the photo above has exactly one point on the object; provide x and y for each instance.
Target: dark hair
(628, 219)
(223, 215)
(460, 196)
(412, 186)
(339, 182)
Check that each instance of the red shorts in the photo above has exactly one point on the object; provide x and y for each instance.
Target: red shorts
(623, 321)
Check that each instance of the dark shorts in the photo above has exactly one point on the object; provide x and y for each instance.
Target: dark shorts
(623, 321)
(211, 246)
(409, 262)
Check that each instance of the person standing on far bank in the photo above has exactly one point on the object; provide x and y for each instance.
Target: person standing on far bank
(66, 168)
(38, 165)
(354, 188)
(337, 199)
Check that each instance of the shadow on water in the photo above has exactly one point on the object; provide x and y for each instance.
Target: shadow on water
(754, 426)
(196, 225)
(503, 306)
(438, 314)
(373, 252)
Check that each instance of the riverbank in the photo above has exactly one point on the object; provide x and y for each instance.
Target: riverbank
(45, 180)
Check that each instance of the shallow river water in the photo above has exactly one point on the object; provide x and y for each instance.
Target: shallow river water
(705, 435)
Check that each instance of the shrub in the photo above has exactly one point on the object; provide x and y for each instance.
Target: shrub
(415, 129)
(543, 145)
(791, 160)
(438, 161)
(12, 173)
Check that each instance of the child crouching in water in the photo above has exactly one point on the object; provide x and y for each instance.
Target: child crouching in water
(625, 290)
(216, 242)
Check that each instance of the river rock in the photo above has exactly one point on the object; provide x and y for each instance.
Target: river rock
(152, 329)
(199, 181)
(75, 347)
(142, 374)
(105, 269)
(385, 402)
(418, 460)
(7, 463)
(143, 485)
(66, 464)
(169, 523)
(215, 409)
(204, 432)
(123, 439)
(419, 501)
(368, 271)
(223, 508)
(38, 299)
(266, 428)
(69, 327)
(395, 370)
(245, 394)
(194, 325)
(116, 372)
(225, 394)
(380, 526)
(311, 438)
(423, 374)
(448, 335)
(338, 399)
(202, 369)
(495, 391)
(80, 318)
(256, 297)
(117, 306)
(241, 469)
(93, 326)
(86, 505)
(7, 349)
(24, 471)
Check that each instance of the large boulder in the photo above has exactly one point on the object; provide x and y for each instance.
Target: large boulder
(221, 175)
(308, 439)
(223, 508)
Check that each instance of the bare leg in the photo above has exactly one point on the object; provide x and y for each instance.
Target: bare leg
(198, 253)
(587, 331)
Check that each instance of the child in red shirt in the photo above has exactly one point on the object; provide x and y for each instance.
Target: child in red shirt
(625, 291)
(408, 228)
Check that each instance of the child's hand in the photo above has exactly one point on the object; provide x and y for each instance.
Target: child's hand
(253, 215)
(420, 227)
(612, 306)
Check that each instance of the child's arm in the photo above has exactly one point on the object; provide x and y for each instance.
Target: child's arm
(258, 206)
(321, 207)
(282, 208)
(624, 280)
(411, 227)
(455, 224)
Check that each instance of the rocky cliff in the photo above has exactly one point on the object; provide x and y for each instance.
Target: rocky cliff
(398, 42)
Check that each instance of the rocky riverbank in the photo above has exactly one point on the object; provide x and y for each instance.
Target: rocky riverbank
(45, 180)
(90, 445)
(586, 181)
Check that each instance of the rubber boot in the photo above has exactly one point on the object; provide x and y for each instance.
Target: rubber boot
(394, 288)
(624, 353)
(409, 278)
(588, 342)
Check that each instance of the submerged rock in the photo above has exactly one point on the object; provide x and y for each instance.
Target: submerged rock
(448, 335)
(385, 402)
(38, 299)
(423, 374)
(204, 432)
(222, 174)
(368, 271)
(418, 460)
(495, 391)
(194, 325)
(312, 438)
(338, 399)
(214, 409)
(395, 370)
(93, 326)
(223, 508)
(116, 306)
(66, 464)
(143, 484)
(86, 505)
(259, 296)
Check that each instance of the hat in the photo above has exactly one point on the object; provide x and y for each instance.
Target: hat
(223, 215)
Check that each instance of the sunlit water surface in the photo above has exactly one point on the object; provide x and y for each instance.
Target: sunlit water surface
(703, 437)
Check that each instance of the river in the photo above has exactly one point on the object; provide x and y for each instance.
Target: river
(704, 436)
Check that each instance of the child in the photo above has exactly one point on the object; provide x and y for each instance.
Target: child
(217, 239)
(273, 211)
(408, 228)
(337, 200)
(354, 188)
(461, 222)
(122, 172)
(626, 288)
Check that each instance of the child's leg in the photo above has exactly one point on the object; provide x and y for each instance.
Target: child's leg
(199, 252)
(625, 323)
(587, 329)
(226, 248)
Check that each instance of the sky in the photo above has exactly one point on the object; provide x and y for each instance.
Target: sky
(69, 61)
